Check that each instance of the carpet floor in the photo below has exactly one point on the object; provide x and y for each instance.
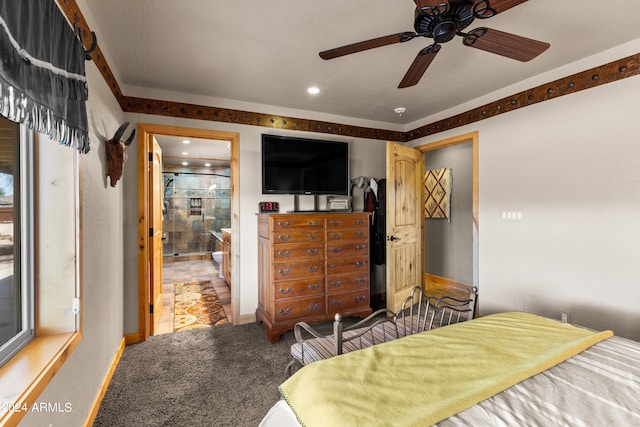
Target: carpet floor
(220, 376)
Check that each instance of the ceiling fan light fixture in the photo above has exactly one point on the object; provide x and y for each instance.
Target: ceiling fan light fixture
(444, 31)
(399, 110)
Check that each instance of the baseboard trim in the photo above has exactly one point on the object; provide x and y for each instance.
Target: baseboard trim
(245, 318)
(105, 384)
(133, 338)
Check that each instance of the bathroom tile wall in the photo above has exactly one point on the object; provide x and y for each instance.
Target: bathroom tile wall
(197, 203)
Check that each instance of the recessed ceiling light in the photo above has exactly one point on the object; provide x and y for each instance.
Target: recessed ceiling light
(313, 90)
(184, 153)
(186, 141)
(207, 164)
(185, 163)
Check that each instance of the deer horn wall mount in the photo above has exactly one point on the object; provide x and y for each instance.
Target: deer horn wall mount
(117, 153)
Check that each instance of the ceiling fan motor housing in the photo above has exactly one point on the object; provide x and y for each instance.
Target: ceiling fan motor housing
(442, 27)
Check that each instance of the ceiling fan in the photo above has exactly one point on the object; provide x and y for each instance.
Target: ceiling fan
(442, 20)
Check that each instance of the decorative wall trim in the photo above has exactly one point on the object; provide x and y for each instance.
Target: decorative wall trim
(216, 114)
(597, 76)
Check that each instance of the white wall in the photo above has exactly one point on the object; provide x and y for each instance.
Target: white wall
(572, 165)
(80, 378)
(367, 158)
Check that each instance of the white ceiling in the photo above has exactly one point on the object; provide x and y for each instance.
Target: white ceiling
(197, 152)
(266, 52)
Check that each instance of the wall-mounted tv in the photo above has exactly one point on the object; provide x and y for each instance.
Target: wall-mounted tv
(304, 166)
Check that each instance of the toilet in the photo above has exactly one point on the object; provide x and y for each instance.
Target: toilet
(217, 258)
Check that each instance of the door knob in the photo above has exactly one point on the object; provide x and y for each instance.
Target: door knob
(392, 238)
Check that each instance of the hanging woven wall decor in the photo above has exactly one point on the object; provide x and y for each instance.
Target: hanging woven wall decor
(437, 185)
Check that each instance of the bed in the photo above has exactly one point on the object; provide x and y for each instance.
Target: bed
(504, 369)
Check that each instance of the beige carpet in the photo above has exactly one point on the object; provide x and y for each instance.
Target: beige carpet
(197, 306)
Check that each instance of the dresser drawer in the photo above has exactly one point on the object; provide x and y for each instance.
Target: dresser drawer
(338, 222)
(343, 265)
(299, 308)
(341, 248)
(338, 234)
(299, 288)
(298, 251)
(298, 222)
(298, 270)
(298, 236)
(348, 282)
(345, 301)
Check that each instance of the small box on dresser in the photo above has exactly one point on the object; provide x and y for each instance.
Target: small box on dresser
(311, 266)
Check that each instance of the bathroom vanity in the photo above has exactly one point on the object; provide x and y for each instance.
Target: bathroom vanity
(226, 255)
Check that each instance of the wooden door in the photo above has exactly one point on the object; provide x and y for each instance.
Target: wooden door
(155, 234)
(404, 222)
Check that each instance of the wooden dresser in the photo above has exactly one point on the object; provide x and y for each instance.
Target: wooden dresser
(311, 266)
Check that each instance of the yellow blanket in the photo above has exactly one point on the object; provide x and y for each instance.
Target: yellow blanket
(424, 378)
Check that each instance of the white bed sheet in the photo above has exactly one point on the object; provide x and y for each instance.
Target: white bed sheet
(598, 387)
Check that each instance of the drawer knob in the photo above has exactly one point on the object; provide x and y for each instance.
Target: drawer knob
(312, 251)
(285, 312)
(360, 280)
(360, 247)
(284, 238)
(360, 263)
(361, 298)
(284, 254)
(360, 233)
(312, 222)
(284, 224)
(312, 268)
(336, 284)
(336, 303)
(313, 307)
(312, 236)
(283, 292)
(284, 272)
(314, 287)
(336, 235)
(336, 250)
(336, 223)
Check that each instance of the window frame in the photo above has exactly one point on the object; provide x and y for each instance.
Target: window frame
(24, 377)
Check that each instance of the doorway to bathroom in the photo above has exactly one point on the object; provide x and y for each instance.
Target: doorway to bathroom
(188, 193)
(196, 233)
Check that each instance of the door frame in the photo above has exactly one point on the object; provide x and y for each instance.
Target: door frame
(145, 135)
(473, 138)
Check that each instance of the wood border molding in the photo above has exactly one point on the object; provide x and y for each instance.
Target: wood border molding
(593, 77)
(217, 114)
(607, 73)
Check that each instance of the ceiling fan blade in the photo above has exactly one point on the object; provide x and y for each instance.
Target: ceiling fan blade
(432, 6)
(505, 44)
(487, 8)
(419, 66)
(367, 44)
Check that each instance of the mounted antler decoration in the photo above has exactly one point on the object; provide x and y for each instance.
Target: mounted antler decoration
(117, 154)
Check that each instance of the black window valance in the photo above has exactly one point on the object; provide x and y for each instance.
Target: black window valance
(42, 73)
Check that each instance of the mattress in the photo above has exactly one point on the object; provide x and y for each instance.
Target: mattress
(599, 386)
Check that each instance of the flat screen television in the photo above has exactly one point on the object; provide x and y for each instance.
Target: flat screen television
(304, 166)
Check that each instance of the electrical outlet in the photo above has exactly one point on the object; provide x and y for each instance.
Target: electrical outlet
(565, 317)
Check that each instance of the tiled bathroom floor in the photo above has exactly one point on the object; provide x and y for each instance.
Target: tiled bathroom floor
(189, 271)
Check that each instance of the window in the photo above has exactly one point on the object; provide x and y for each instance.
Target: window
(16, 243)
(45, 271)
